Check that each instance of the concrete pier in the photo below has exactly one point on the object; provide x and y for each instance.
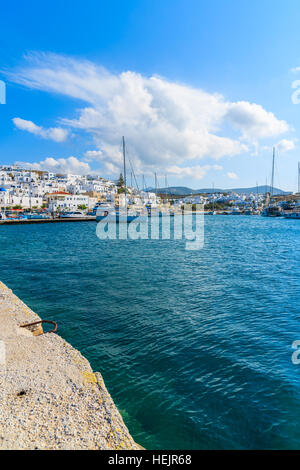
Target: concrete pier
(45, 221)
(50, 398)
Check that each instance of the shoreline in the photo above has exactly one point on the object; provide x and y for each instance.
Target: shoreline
(50, 398)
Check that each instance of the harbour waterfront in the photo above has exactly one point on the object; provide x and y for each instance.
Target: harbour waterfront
(50, 398)
(194, 346)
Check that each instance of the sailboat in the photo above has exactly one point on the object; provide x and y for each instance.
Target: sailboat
(110, 213)
(295, 214)
(271, 210)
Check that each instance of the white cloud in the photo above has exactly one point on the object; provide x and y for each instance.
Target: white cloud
(91, 155)
(285, 145)
(195, 171)
(232, 176)
(254, 121)
(166, 124)
(27, 126)
(58, 134)
(61, 165)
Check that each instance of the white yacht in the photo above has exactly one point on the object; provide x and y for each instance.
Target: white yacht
(72, 215)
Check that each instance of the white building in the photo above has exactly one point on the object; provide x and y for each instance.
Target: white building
(29, 188)
(26, 201)
(62, 201)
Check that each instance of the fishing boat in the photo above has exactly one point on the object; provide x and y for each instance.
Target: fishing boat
(295, 212)
(16, 214)
(235, 211)
(117, 215)
(37, 216)
(272, 211)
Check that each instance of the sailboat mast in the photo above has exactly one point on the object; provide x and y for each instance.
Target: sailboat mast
(124, 163)
(298, 177)
(273, 164)
(29, 195)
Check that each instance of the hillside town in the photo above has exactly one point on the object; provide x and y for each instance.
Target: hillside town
(37, 191)
(22, 189)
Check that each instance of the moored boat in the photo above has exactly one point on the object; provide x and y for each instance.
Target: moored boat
(71, 215)
(111, 214)
(116, 214)
(272, 211)
(292, 215)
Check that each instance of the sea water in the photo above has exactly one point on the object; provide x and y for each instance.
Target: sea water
(195, 347)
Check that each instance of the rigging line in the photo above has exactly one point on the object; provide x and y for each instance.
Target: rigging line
(133, 174)
(145, 184)
(157, 183)
(120, 155)
(279, 184)
(132, 168)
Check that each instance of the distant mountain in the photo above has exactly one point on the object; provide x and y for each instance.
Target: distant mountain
(260, 190)
(184, 191)
(176, 190)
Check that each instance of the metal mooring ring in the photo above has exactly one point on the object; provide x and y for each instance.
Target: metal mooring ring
(41, 321)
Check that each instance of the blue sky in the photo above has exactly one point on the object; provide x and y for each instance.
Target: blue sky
(202, 90)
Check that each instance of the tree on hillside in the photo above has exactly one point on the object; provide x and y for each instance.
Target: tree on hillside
(121, 184)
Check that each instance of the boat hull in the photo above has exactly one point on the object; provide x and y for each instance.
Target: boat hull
(295, 215)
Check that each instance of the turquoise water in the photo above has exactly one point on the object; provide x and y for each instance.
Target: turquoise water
(194, 346)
